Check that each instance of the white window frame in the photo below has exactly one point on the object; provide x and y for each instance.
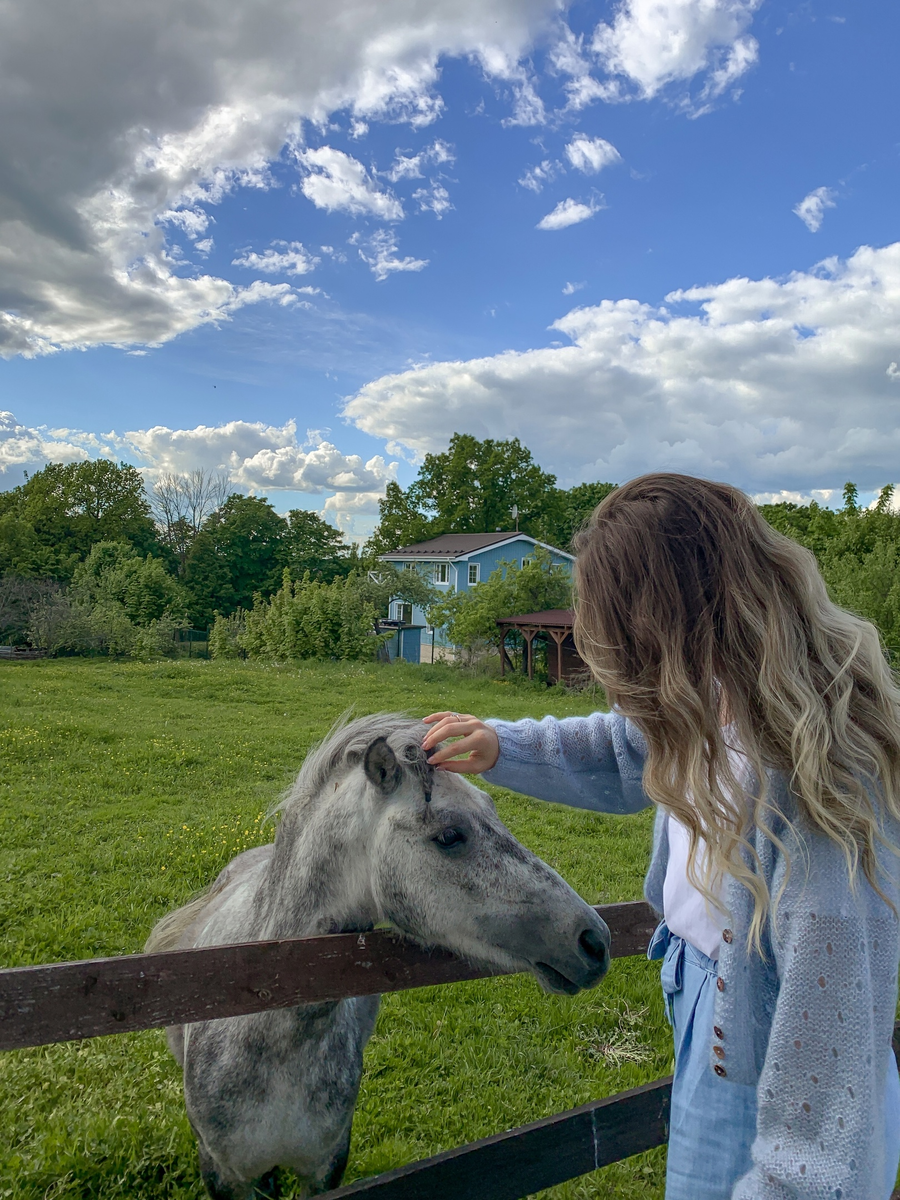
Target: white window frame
(442, 572)
(527, 559)
(474, 570)
(401, 605)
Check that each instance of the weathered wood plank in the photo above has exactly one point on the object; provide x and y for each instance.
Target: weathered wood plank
(509, 1166)
(61, 1002)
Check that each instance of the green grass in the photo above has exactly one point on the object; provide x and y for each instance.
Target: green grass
(125, 787)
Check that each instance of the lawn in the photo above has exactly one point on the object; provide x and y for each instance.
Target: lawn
(126, 786)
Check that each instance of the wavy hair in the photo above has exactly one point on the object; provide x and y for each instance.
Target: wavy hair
(694, 614)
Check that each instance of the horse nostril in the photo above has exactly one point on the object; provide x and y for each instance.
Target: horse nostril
(593, 945)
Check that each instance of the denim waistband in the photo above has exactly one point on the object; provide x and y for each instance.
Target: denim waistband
(677, 951)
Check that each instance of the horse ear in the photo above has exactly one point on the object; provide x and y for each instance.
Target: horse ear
(382, 768)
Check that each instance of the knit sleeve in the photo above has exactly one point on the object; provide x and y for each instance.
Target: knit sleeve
(820, 1123)
(593, 762)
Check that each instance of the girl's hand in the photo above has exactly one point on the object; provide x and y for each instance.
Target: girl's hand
(478, 739)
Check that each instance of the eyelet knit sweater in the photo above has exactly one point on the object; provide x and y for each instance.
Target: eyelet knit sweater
(809, 1021)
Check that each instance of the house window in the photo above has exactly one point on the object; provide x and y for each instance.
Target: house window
(474, 571)
(404, 614)
(526, 560)
(441, 572)
(409, 566)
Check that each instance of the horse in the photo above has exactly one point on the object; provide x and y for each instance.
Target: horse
(369, 833)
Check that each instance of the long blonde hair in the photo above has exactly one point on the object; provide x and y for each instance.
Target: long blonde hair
(693, 612)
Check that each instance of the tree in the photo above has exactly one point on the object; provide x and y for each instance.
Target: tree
(236, 554)
(473, 486)
(470, 618)
(181, 504)
(73, 505)
(399, 523)
(115, 574)
(311, 544)
(569, 511)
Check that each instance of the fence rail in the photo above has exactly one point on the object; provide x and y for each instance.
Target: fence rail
(67, 1001)
(62, 1002)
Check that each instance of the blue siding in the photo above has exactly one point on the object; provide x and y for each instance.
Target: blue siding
(485, 561)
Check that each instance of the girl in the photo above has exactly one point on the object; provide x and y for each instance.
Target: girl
(764, 723)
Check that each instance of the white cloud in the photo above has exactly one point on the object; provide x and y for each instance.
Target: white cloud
(292, 259)
(410, 166)
(568, 212)
(811, 209)
(535, 177)
(571, 288)
(591, 155)
(256, 457)
(380, 252)
(339, 182)
(435, 199)
(149, 115)
(772, 384)
(653, 43)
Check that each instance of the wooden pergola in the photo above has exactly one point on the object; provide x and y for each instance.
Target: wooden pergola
(554, 626)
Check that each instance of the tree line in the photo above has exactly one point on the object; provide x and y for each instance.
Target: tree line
(91, 559)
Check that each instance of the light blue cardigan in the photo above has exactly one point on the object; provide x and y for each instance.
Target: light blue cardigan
(810, 1022)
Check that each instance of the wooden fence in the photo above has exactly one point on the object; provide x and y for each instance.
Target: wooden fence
(67, 1001)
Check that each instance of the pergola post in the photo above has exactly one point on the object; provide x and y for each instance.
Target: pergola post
(559, 636)
(528, 635)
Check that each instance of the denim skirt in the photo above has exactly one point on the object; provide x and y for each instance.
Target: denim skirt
(713, 1127)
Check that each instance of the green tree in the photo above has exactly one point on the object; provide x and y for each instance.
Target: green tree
(399, 523)
(237, 553)
(470, 618)
(311, 544)
(473, 486)
(115, 574)
(72, 506)
(568, 511)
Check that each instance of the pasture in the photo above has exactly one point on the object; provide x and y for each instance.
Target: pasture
(125, 787)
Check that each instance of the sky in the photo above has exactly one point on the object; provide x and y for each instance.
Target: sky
(303, 244)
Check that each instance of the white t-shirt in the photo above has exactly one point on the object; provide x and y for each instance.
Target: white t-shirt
(686, 910)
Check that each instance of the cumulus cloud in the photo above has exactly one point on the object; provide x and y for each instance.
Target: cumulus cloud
(568, 212)
(122, 123)
(338, 182)
(772, 384)
(256, 457)
(651, 45)
(811, 209)
(591, 155)
(282, 258)
(380, 252)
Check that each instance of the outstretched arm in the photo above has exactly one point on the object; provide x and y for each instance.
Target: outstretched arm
(593, 762)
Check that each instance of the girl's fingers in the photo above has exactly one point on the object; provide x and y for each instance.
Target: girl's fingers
(463, 746)
(448, 725)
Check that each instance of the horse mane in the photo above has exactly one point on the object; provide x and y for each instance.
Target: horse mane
(344, 747)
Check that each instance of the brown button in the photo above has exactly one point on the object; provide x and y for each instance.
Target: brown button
(718, 1052)
(727, 936)
(718, 1032)
(720, 984)
(720, 1070)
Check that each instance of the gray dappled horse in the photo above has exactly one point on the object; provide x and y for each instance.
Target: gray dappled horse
(368, 833)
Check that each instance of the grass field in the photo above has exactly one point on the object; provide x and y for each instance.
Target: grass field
(125, 787)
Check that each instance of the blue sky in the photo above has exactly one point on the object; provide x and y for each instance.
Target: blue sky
(382, 198)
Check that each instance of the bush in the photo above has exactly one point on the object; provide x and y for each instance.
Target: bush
(64, 626)
(309, 619)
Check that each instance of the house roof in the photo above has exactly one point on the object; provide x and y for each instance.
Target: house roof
(462, 545)
(554, 618)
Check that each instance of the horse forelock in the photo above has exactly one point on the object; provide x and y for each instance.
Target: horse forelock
(344, 747)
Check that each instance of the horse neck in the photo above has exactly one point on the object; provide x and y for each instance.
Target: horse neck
(318, 880)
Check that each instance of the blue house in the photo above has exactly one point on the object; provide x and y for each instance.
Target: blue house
(458, 562)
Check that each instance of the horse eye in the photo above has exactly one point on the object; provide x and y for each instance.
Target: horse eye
(450, 837)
